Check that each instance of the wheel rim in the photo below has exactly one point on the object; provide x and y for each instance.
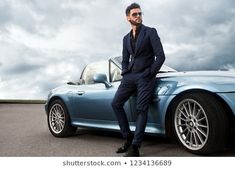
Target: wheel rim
(57, 118)
(191, 124)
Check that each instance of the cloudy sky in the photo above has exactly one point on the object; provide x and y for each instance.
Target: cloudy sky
(45, 43)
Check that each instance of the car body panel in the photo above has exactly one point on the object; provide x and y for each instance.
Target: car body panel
(89, 105)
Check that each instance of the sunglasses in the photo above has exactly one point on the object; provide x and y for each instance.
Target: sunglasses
(136, 14)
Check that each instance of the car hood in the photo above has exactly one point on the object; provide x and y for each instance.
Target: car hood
(214, 76)
(216, 81)
(229, 74)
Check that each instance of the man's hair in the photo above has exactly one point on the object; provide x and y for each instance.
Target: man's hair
(130, 7)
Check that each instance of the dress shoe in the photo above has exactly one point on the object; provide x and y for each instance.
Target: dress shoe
(126, 145)
(133, 151)
(124, 148)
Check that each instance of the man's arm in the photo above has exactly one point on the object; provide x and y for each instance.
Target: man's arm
(158, 52)
(125, 58)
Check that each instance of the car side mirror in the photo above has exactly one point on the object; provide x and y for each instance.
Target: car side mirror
(101, 78)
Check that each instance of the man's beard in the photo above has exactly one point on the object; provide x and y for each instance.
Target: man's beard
(135, 23)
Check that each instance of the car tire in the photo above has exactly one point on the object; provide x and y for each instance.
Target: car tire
(200, 123)
(58, 119)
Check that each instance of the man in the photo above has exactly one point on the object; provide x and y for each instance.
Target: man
(143, 56)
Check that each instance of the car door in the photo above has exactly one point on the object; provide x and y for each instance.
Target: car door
(94, 100)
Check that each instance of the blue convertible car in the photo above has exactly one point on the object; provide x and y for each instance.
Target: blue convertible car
(198, 107)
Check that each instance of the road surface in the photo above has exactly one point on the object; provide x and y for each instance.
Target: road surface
(24, 133)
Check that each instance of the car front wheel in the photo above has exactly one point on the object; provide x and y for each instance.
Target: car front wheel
(58, 119)
(200, 123)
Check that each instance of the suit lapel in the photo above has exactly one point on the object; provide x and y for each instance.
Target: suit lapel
(140, 39)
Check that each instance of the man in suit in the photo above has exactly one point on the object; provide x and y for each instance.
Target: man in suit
(143, 57)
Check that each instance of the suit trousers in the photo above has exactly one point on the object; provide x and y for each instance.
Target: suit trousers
(144, 86)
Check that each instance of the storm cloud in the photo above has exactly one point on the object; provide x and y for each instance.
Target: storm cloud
(44, 44)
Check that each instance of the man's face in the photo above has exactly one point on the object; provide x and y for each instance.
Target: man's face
(135, 16)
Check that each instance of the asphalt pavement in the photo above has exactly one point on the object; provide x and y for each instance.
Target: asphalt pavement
(24, 133)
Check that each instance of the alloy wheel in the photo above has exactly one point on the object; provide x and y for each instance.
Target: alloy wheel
(57, 118)
(191, 124)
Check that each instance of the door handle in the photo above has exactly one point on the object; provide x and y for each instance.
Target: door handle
(80, 93)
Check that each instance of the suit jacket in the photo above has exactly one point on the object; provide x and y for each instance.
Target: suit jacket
(148, 56)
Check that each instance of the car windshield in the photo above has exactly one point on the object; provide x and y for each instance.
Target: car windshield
(164, 68)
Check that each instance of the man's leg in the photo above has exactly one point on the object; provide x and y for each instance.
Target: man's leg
(123, 93)
(145, 89)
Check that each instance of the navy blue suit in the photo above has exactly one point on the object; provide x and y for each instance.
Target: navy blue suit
(139, 69)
